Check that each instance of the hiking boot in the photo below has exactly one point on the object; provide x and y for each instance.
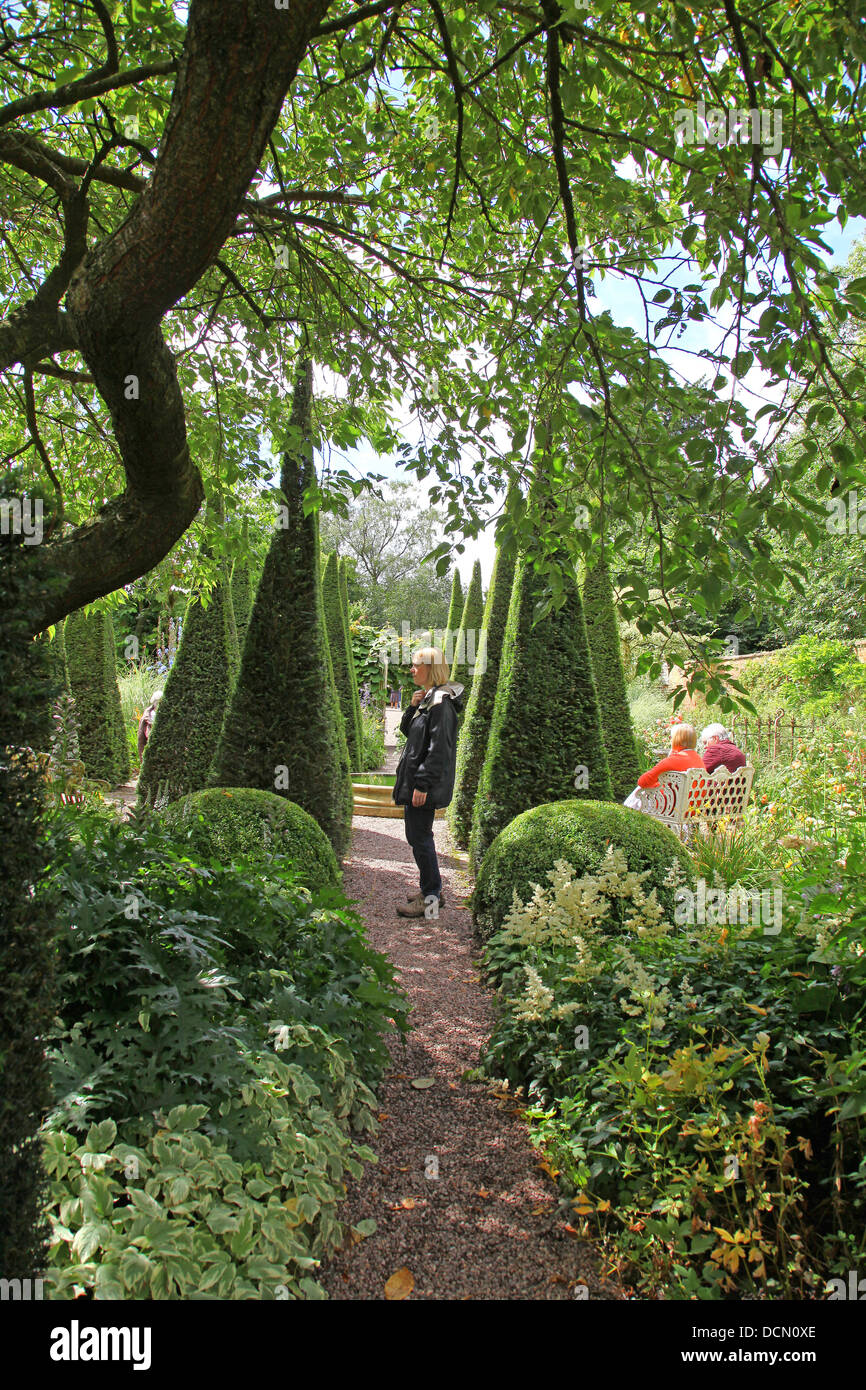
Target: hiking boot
(416, 907)
(412, 897)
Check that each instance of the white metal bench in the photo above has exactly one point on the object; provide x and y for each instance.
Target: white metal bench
(683, 799)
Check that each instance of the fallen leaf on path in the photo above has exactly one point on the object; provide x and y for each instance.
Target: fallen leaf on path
(364, 1229)
(383, 1115)
(539, 1211)
(400, 1284)
(408, 1203)
(482, 1192)
(422, 1082)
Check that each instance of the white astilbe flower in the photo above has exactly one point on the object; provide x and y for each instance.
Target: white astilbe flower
(643, 997)
(537, 998)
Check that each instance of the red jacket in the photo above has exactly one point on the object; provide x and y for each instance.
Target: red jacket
(674, 762)
(724, 752)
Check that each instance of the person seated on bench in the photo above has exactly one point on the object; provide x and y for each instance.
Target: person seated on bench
(720, 749)
(683, 755)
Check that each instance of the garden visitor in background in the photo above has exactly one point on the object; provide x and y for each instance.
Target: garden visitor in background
(145, 723)
(683, 755)
(425, 772)
(720, 749)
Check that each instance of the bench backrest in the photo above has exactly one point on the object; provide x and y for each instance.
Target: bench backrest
(681, 796)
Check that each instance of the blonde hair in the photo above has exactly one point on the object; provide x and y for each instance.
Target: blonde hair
(684, 736)
(434, 657)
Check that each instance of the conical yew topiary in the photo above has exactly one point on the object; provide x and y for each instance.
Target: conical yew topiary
(342, 569)
(603, 632)
(338, 637)
(455, 608)
(121, 746)
(187, 726)
(465, 647)
(242, 599)
(283, 730)
(545, 737)
(89, 643)
(474, 735)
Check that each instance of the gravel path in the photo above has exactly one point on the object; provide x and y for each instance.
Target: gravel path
(489, 1226)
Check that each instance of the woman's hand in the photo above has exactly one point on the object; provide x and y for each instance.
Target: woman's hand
(418, 798)
(418, 696)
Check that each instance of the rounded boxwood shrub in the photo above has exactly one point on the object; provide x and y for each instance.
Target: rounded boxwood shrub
(579, 832)
(225, 821)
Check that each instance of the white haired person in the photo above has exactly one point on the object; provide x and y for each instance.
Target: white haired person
(720, 749)
(145, 723)
(425, 772)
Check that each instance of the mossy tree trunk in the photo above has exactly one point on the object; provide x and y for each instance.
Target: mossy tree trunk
(27, 689)
(283, 730)
(616, 726)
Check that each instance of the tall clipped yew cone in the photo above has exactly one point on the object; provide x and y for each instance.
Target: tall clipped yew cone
(466, 645)
(475, 732)
(184, 736)
(242, 599)
(338, 637)
(616, 727)
(26, 917)
(342, 572)
(89, 646)
(283, 730)
(545, 737)
(455, 607)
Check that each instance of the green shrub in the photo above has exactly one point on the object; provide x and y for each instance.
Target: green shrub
(374, 740)
(172, 974)
(176, 1216)
(224, 822)
(579, 832)
(698, 1081)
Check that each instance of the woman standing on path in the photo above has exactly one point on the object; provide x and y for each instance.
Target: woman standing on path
(425, 772)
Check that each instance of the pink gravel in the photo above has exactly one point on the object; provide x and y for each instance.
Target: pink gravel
(490, 1226)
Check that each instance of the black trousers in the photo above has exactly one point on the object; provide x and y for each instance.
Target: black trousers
(419, 833)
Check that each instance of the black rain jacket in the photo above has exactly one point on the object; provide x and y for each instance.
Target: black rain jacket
(429, 759)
